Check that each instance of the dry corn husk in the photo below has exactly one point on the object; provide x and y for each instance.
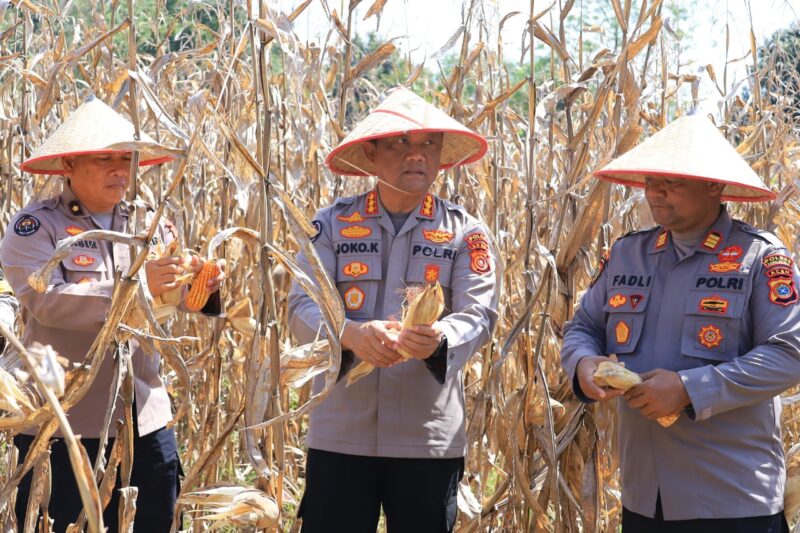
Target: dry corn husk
(234, 506)
(425, 307)
(166, 304)
(616, 376)
(240, 315)
(535, 410)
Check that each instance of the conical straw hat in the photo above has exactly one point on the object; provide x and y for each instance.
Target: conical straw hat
(690, 147)
(93, 128)
(403, 112)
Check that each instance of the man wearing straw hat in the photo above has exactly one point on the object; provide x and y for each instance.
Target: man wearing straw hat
(396, 438)
(93, 149)
(704, 308)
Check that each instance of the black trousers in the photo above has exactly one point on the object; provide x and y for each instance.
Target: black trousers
(156, 470)
(344, 493)
(636, 523)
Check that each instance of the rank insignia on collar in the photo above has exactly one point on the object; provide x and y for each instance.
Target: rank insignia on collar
(622, 332)
(355, 269)
(782, 291)
(27, 225)
(355, 217)
(74, 230)
(661, 241)
(428, 206)
(636, 299)
(618, 300)
(730, 254)
(724, 267)
(355, 232)
(432, 273)
(83, 260)
(75, 207)
(372, 203)
(354, 298)
(714, 304)
(712, 240)
(710, 336)
(437, 236)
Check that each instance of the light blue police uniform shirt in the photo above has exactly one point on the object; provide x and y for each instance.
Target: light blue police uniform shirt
(725, 319)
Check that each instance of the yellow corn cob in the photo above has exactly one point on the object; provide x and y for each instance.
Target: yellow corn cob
(199, 293)
(616, 376)
(424, 309)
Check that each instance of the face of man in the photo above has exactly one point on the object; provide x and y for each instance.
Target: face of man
(101, 180)
(408, 162)
(683, 205)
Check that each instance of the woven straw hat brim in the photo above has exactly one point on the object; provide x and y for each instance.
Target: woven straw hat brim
(94, 128)
(404, 112)
(690, 147)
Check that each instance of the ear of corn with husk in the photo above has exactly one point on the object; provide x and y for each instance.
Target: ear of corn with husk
(235, 506)
(425, 306)
(616, 376)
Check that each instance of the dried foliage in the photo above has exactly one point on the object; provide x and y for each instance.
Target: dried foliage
(254, 110)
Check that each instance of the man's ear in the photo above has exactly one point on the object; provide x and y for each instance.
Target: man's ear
(369, 150)
(716, 188)
(66, 162)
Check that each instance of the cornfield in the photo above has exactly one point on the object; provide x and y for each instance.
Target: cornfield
(253, 110)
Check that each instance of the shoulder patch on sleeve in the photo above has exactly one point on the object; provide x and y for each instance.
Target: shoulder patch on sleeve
(27, 225)
(318, 225)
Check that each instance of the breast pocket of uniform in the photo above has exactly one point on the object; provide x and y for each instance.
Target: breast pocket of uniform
(83, 267)
(625, 308)
(438, 266)
(711, 325)
(357, 279)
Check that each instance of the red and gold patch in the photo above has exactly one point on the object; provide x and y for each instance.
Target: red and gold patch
(480, 262)
(355, 217)
(355, 232)
(782, 291)
(354, 298)
(661, 241)
(428, 206)
(724, 267)
(438, 236)
(74, 230)
(355, 269)
(710, 336)
(714, 304)
(618, 300)
(712, 240)
(476, 241)
(779, 272)
(622, 332)
(432, 273)
(372, 203)
(83, 260)
(730, 254)
(777, 260)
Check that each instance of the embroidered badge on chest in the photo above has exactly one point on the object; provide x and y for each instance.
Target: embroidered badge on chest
(437, 236)
(432, 273)
(83, 260)
(355, 232)
(622, 332)
(73, 230)
(636, 299)
(730, 254)
(354, 298)
(355, 269)
(714, 304)
(722, 268)
(27, 225)
(710, 336)
(355, 217)
(618, 300)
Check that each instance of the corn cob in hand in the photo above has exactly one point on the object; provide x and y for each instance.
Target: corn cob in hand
(616, 376)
